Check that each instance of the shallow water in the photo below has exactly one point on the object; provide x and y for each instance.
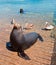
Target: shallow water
(34, 10)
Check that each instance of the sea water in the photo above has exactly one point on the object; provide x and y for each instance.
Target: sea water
(37, 10)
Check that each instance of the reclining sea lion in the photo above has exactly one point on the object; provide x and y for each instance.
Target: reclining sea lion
(21, 41)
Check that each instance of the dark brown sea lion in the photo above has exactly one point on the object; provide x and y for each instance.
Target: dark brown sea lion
(21, 11)
(21, 41)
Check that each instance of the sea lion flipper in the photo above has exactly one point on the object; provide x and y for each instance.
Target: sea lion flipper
(22, 54)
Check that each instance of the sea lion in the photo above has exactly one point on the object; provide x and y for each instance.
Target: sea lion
(21, 41)
(21, 11)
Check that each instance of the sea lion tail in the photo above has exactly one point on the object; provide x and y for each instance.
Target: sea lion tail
(40, 38)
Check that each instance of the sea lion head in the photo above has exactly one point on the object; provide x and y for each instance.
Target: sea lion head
(17, 26)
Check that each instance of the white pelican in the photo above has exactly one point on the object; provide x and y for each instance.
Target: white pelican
(48, 27)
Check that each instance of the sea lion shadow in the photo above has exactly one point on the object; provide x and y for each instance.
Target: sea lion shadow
(12, 49)
(45, 29)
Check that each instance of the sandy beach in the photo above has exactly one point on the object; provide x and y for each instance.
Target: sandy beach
(36, 12)
(40, 53)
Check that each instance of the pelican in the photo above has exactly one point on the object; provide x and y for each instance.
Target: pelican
(48, 27)
(28, 26)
